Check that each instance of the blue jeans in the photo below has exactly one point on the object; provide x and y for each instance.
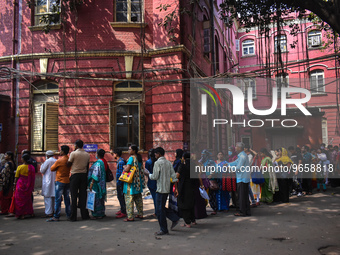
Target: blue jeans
(121, 199)
(62, 189)
(153, 194)
(162, 212)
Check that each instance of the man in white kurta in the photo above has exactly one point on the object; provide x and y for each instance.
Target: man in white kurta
(48, 183)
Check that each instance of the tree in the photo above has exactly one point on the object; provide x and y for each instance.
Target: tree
(262, 12)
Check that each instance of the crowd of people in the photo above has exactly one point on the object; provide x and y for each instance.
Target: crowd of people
(70, 178)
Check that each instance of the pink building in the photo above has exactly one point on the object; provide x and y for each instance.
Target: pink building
(306, 65)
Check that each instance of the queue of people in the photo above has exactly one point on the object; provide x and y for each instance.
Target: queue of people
(188, 197)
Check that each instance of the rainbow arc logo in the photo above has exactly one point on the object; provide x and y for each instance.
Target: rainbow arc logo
(204, 98)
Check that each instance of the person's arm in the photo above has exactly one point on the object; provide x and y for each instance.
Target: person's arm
(156, 172)
(55, 166)
(173, 175)
(44, 167)
(70, 160)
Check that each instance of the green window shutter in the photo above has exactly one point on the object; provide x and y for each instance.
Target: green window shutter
(51, 123)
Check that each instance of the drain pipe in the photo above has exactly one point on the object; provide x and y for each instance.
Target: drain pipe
(213, 58)
(17, 65)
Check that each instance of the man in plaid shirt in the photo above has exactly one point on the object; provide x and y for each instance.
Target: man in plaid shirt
(117, 153)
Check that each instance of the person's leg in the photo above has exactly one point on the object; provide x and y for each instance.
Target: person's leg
(139, 204)
(48, 205)
(57, 204)
(186, 215)
(251, 195)
(240, 198)
(74, 186)
(83, 197)
(121, 199)
(247, 204)
(153, 194)
(129, 205)
(66, 195)
(160, 211)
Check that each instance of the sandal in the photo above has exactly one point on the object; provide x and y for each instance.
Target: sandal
(127, 219)
(213, 213)
(47, 216)
(52, 220)
(186, 225)
(239, 214)
(139, 217)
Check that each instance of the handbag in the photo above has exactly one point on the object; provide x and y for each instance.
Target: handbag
(128, 176)
(109, 175)
(257, 177)
(213, 185)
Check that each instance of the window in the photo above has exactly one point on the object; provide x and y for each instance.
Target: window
(45, 116)
(217, 55)
(282, 81)
(280, 41)
(129, 10)
(127, 116)
(249, 83)
(324, 131)
(206, 37)
(317, 82)
(314, 38)
(46, 12)
(248, 47)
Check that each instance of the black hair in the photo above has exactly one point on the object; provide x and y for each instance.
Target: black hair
(266, 152)
(179, 153)
(336, 147)
(79, 143)
(151, 154)
(135, 149)
(10, 154)
(298, 150)
(25, 157)
(330, 146)
(65, 149)
(291, 148)
(118, 152)
(160, 150)
(27, 152)
(100, 153)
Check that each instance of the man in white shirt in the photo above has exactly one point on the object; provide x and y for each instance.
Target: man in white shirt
(162, 172)
(48, 186)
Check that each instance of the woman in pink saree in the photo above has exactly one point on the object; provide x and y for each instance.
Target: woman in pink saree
(24, 185)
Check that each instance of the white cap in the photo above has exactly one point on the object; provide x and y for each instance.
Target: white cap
(49, 153)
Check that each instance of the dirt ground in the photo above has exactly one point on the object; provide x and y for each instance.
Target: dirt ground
(304, 226)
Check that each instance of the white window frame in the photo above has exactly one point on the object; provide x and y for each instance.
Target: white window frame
(283, 43)
(248, 45)
(317, 76)
(129, 11)
(48, 11)
(314, 38)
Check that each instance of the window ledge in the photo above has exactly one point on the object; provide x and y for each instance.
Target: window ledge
(248, 56)
(41, 27)
(315, 48)
(128, 24)
(319, 94)
(286, 51)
